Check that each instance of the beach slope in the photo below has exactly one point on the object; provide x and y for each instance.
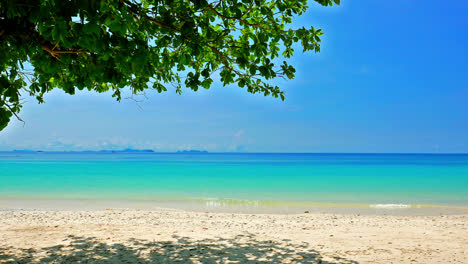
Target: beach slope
(168, 236)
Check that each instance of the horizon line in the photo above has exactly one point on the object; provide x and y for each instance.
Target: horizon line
(151, 151)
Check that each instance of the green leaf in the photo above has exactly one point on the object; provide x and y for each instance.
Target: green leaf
(103, 45)
(5, 116)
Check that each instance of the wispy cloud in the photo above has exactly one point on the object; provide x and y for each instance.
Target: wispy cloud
(239, 134)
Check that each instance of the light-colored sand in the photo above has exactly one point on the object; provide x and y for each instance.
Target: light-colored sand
(168, 236)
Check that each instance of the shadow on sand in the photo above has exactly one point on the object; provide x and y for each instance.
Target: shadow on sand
(241, 249)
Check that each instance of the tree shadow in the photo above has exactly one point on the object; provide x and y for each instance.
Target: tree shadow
(241, 249)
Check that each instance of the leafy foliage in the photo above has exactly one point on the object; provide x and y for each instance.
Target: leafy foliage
(104, 45)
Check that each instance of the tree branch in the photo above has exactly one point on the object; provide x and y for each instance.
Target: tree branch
(14, 113)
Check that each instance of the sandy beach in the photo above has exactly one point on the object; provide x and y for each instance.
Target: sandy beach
(170, 236)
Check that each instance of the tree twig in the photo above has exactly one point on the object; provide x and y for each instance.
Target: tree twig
(15, 114)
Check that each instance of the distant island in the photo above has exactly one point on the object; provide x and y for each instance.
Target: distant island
(192, 151)
(127, 150)
(24, 150)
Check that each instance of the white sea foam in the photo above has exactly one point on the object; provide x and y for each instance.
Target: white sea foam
(390, 206)
(213, 202)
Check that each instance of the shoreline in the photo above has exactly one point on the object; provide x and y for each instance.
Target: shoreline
(227, 206)
(171, 235)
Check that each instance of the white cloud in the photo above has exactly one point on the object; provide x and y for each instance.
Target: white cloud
(239, 134)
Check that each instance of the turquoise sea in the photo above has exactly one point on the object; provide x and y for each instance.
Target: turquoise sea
(245, 179)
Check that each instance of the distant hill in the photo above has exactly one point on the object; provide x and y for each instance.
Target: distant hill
(129, 150)
(23, 150)
(192, 151)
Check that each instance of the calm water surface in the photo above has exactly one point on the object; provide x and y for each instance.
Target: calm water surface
(229, 179)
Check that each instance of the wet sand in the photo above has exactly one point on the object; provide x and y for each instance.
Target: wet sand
(220, 206)
(170, 235)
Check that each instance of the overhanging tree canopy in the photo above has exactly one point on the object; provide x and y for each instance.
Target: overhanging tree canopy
(104, 45)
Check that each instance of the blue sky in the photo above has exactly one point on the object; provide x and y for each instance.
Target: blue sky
(392, 77)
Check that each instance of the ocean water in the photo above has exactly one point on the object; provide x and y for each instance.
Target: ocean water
(239, 180)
